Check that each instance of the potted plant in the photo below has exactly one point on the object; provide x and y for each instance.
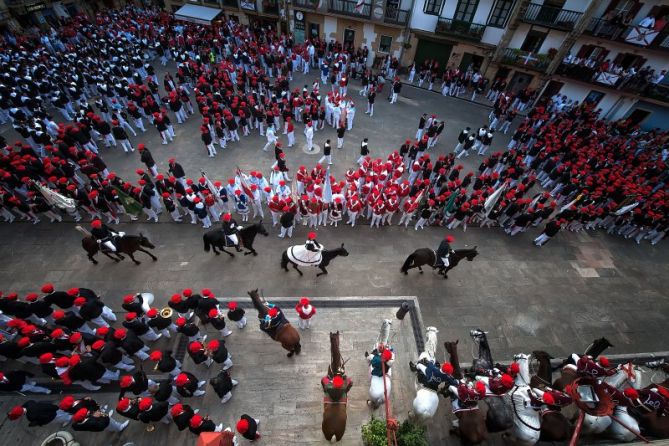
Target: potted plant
(408, 434)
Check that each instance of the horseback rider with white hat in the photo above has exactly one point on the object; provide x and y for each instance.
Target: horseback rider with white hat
(230, 229)
(444, 251)
(104, 235)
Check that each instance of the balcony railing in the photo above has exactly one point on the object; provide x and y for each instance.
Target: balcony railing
(661, 42)
(525, 59)
(396, 16)
(348, 7)
(551, 16)
(458, 28)
(635, 84)
(634, 35)
(309, 4)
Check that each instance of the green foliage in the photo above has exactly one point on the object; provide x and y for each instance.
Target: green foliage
(374, 433)
(409, 434)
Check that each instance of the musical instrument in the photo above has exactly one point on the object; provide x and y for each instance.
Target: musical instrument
(166, 312)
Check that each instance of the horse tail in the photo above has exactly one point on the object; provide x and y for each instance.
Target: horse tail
(83, 231)
(207, 246)
(407, 263)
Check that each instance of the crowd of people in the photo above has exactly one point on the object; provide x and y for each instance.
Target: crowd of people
(594, 174)
(73, 338)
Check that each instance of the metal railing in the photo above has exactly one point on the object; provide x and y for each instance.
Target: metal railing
(459, 28)
(305, 4)
(348, 7)
(551, 16)
(396, 16)
(526, 59)
(661, 41)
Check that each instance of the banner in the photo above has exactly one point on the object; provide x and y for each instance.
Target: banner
(130, 205)
(607, 78)
(641, 36)
(300, 26)
(56, 199)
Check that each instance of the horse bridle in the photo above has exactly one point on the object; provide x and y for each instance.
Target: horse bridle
(515, 411)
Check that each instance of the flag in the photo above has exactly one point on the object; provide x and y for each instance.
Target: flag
(450, 204)
(641, 36)
(327, 193)
(241, 178)
(56, 199)
(211, 187)
(626, 209)
(359, 6)
(573, 202)
(492, 200)
(608, 78)
(130, 205)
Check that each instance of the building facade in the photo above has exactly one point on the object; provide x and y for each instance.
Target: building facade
(546, 44)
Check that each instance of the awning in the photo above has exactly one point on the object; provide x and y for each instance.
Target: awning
(197, 14)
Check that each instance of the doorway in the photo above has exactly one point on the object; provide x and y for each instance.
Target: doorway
(428, 49)
(471, 59)
(314, 30)
(638, 116)
(519, 81)
(552, 89)
(349, 38)
(533, 41)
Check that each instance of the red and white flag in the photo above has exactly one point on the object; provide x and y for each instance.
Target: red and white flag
(243, 182)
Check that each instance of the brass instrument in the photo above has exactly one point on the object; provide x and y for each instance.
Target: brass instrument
(166, 312)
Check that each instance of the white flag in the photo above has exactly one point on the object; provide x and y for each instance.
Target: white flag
(626, 209)
(491, 201)
(56, 199)
(327, 193)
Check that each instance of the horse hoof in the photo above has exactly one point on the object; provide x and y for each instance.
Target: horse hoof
(117, 260)
(155, 259)
(421, 272)
(138, 263)
(255, 253)
(406, 273)
(122, 257)
(217, 253)
(290, 355)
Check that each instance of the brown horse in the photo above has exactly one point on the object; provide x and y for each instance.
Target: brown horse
(568, 375)
(471, 424)
(128, 244)
(335, 400)
(554, 425)
(285, 333)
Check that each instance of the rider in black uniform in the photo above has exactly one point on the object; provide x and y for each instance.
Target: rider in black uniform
(444, 251)
(104, 235)
(230, 229)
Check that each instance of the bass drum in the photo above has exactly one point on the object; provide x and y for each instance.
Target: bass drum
(147, 300)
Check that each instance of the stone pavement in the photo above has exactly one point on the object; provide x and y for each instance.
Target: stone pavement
(283, 393)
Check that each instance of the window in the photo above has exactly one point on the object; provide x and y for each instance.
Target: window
(593, 97)
(500, 13)
(384, 44)
(433, 7)
(466, 10)
(533, 41)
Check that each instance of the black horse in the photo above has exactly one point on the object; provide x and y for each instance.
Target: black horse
(216, 239)
(427, 256)
(326, 258)
(127, 244)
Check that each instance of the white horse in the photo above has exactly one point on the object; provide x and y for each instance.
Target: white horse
(376, 393)
(427, 400)
(526, 421)
(626, 373)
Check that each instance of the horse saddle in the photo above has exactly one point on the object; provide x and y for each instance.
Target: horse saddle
(273, 327)
(300, 255)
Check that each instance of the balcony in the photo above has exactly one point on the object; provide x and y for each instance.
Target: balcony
(634, 84)
(526, 59)
(270, 7)
(396, 16)
(458, 28)
(348, 7)
(307, 4)
(551, 16)
(632, 35)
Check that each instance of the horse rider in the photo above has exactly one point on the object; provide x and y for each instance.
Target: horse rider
(431, 375)
(230, 229)
(444, 251)
(466, 396)
(337, 387)
(104, 235)
(586, 366)
(313, 247)
(380, 355)
(272, 321)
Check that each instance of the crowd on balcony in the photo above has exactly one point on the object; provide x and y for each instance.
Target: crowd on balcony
(607, 72)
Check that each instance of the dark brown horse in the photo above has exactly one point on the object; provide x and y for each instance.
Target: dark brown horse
(128, 244)
(471, 424)
(217, 239)
(554, 425)
(568, 374)
(285, 334)
(335, 400)
(427, 256)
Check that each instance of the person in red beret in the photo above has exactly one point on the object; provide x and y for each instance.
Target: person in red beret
(85, 420)
(18, 381)
(236, 314)
(39, 413)
(306, 311)
(248, 427)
